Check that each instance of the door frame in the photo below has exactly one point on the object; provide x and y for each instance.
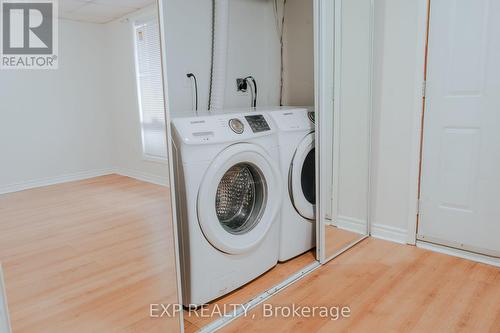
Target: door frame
(161, 5)
(423, 21)
(323, 103)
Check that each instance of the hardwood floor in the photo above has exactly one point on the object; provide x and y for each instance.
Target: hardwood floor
(193, 321)
(91, 256)
(88, 256)
(390, 288)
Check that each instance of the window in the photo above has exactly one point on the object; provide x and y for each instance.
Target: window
(150, 89)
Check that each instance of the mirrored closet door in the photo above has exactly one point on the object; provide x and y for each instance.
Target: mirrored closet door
(86, 221)
(240, 77)
(344, 99)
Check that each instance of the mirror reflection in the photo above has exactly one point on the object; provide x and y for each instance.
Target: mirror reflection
(241, 97)
(86, 233)
(347, 221)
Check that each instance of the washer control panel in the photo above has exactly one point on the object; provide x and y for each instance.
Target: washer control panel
(222, 128)
(236, 125)
(257, 123)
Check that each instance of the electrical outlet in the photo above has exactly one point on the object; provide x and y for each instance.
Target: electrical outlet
(188, 83)
(241, 85)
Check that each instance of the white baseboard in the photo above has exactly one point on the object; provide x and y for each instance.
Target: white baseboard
(4, 309)
(54, 180)
(142, 176)
(459, 253)
(145, 177)
(351, 224)
(389, 233)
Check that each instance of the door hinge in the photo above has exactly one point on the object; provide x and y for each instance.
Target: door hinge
(424, 89)
(418, 206)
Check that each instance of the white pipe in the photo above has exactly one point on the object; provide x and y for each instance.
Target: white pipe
(221, 23)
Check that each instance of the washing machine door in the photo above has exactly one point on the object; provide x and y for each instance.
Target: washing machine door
(302, 178)
(239, 198)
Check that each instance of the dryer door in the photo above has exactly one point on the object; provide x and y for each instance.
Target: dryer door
(302, 178)
(239, 198)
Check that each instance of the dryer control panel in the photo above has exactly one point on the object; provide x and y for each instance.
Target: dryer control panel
(257, 123)
(299, 119)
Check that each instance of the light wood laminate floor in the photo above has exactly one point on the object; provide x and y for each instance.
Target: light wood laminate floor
(390, 288)
(193, 320)
(88, 256)
(337, 239)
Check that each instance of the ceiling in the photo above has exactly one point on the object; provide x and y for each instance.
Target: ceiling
(99, 11)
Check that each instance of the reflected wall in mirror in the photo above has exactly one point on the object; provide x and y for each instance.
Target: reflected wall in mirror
(86, 234)
(346, 218)
(244, 163)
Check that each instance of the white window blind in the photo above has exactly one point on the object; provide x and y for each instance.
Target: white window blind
(150, 89)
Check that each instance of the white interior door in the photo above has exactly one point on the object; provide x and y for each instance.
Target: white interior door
(460, 193)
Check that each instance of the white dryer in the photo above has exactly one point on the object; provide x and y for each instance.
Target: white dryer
(297, 154)
(229, 194)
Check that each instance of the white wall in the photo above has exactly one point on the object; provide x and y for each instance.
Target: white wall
(253, 50)
(298, 53)
(188, 43)
(394, 89)
(123, 103)
(83, 119)
(54, 122)
(79, 121)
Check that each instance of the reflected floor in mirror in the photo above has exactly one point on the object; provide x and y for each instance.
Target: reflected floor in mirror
(337, 239)
(88, 256)
(193, 320)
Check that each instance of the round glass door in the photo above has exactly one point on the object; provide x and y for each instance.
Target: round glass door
(308, 177)
(302, 178)
(240, 198)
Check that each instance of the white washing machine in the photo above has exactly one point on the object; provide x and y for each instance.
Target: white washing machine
(229, 193)
(297, 154)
